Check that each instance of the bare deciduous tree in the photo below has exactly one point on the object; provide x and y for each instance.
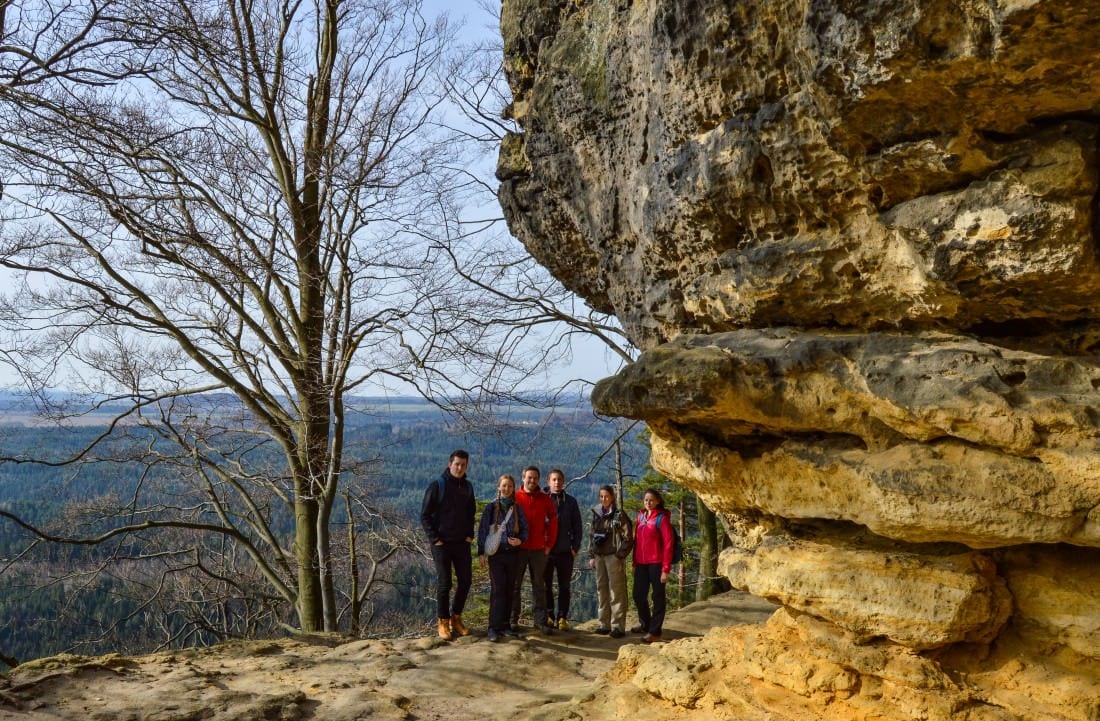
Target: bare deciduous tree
(237, 197)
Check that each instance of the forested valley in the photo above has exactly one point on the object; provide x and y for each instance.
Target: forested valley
(124, 595)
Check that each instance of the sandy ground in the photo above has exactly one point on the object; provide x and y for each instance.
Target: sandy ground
(421, 679)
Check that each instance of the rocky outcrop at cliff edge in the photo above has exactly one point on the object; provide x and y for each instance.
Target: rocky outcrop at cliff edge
(857, 244)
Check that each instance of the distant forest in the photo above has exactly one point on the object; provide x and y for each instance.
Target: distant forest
(68, 598)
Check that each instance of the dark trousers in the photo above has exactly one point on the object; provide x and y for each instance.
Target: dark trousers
(450, 556)
(648, 576)
(562, 565)
(535, 563)
(503, 567)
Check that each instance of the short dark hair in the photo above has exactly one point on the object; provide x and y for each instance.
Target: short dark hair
(535, 469)
(459, 454)
(558, 471)
(656, 494)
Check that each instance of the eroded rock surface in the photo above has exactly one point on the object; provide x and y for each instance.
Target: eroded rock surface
(708, 165)
(857, 244)
(538, 678)
(920, 600)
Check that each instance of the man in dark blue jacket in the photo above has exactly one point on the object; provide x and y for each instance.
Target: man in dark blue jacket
(447, 516)
(564, 551)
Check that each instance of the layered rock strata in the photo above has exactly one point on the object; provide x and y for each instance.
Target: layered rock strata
(857, 245)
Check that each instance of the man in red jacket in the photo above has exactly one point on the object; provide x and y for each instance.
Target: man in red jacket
(542, 531)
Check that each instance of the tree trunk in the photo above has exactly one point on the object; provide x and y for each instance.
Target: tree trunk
(708, 550)
(313, 504)
(324, 566)
(353, 566)
(619, 473)
(335, 456)
(681, 572)
(310, 604)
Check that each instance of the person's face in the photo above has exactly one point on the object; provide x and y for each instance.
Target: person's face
(530, 481)
(506, 487)
(650, 502)
(606, 499)
(557, 483)
(457, 466)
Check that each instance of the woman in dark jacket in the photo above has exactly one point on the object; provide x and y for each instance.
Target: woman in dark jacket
(652, 563)
(503, 560)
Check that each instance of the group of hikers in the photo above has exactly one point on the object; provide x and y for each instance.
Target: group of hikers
(537, 532)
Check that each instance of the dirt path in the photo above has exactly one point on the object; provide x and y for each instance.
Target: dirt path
(423, 679)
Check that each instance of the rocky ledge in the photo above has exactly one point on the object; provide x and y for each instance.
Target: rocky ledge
(336, 678)
(857, 245)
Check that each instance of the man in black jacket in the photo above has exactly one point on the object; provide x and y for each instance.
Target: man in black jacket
(564, 551)
(447, 516)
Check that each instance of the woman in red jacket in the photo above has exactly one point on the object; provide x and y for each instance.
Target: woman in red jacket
(652, 563)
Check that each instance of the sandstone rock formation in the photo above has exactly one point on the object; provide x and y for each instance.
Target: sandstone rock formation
(335, 678)
(857, 244)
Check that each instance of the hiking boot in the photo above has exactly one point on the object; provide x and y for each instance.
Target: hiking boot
(510, 633)
(602, 631)
(617, 633)
(563, 625)
(638, 629)
(493, 635)
(445, 628)
(458, 627)
(651, 638)
(548, 630)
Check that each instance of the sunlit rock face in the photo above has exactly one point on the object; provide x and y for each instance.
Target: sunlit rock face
(857, 242)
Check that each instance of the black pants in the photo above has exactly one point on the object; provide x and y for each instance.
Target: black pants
(562, 564)
(453, 555)
(535, 562)
(647, 576)
(503, 568)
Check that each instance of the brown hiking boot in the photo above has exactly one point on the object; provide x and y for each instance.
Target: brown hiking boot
(445, 628)
(458, 627)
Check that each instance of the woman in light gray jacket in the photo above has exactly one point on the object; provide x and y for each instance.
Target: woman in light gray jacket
(610, 541)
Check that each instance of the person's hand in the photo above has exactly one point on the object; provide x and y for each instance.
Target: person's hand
(514, 541)
(574, 552)
(469, 539)
(664, 577)
(439, 543)
(483, 561)
(592, 563)
(546, 551)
